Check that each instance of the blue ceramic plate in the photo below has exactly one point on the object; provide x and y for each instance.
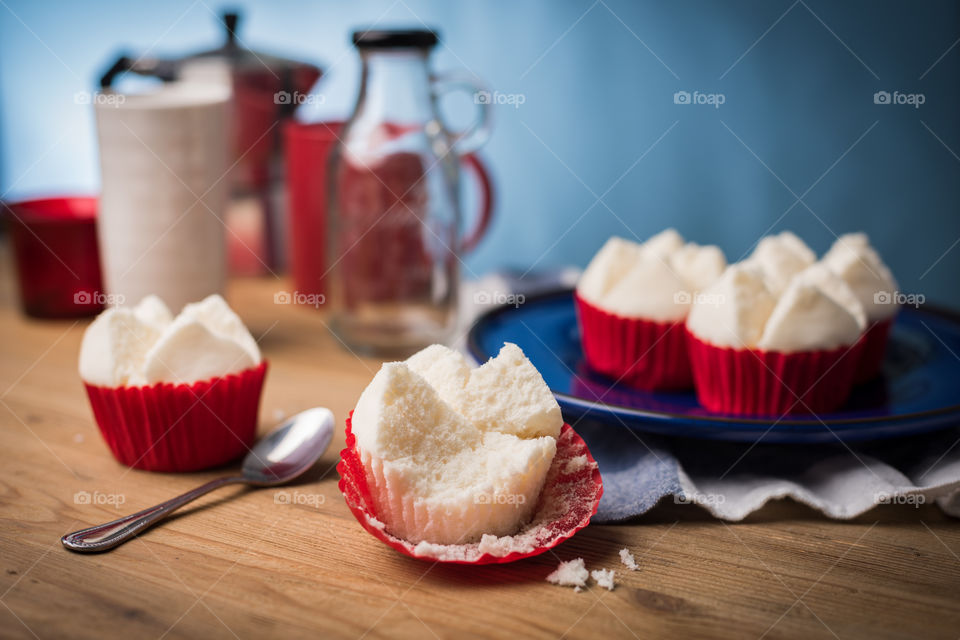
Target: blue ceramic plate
(918, 391)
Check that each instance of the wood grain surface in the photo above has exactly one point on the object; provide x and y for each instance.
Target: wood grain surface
(292, 562)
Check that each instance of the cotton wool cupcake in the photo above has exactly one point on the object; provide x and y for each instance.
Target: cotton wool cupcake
(173, 394)
(782, 256)
(859, 265)
(454, 455)
(632, 301)
(758, 352)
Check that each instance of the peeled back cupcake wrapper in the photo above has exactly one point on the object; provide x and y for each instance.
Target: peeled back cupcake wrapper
(769, 383)
(568, 500)
(180, 427)
(638, 353)
(415, 519)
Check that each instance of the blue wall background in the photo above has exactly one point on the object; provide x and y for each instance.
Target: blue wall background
(599, 146)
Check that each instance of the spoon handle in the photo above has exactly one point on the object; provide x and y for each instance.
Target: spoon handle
(104, 537)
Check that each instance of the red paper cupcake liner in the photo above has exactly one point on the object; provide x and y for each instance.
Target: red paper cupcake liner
(570, 496)
(639, 353)
(180, 427)
(770, 383)
(874, 348)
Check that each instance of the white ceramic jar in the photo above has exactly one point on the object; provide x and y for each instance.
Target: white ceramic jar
(163, 161)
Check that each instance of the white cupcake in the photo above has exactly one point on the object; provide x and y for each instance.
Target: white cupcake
(632, 301)
(859, 265)
(173, 394)
(452, 454)
(755, 351)
(781, 257)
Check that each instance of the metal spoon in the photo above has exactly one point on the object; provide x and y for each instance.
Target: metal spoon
(281, 456)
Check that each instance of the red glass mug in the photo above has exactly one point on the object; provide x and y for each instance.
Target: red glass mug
(55, 252)
(308, 147)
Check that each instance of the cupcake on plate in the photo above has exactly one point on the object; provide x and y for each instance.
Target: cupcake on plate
(782, 256)
(632, 301)
(754, 352)
(859, 265)
(173, 394)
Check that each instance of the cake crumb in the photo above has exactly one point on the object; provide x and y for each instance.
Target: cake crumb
(504, 546)
(604, 578)
(572, 573)
(445, 552)
(576, 464)
(628, 560)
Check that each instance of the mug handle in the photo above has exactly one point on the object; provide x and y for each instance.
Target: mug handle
(466, 142)
(482, 225)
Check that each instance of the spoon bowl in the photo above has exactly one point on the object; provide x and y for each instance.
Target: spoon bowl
(289, 450)
(281, 456)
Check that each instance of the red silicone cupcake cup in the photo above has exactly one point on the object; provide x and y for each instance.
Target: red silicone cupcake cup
(639, 353)
(570, 496)
(180, 427)
(874, 348)
(771, 383)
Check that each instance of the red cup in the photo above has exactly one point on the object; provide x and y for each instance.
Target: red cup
(307, 148)
(55, 251)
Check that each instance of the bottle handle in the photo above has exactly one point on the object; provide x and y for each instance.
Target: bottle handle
(476, 135)
(466, 142)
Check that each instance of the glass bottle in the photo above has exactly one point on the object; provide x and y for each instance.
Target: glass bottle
(394, 216)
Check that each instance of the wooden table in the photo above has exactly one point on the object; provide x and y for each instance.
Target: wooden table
(251, 564)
